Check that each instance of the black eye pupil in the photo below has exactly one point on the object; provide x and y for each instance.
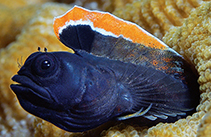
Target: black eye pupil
(45, 64)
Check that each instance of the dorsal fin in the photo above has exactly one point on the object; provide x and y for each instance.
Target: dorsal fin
(105, 24)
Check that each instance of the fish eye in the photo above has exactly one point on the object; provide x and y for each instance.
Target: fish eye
(45, 65)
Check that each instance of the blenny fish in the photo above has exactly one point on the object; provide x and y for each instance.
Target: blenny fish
(118, 71)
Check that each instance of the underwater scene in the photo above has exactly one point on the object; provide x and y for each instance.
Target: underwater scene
(27, 26)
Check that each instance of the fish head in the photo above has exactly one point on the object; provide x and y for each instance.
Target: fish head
(64, 89)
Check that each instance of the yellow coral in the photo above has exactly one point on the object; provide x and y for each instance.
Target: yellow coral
(12, 25)
(157, 16)
(205, 126)
(193, 41)
(123, 130)
(185, 25)
(20, 3)
(38, 32)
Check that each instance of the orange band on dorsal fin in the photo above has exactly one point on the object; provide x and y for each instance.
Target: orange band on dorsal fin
(109, 23)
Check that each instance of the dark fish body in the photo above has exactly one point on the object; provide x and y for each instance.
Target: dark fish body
(106, 78)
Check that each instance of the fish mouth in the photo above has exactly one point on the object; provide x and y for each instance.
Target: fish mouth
(27, 86)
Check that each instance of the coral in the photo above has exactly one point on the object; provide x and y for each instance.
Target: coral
(192, 40)
(123, 130)
(183, 25)
(12, 25)
(20, 3)
(43, 128)
(106, 5)
(205, 126)
(37, 33)
(155, 16)
(24, 10)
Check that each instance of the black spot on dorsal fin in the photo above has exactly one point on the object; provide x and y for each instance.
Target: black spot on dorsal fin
(78, 37)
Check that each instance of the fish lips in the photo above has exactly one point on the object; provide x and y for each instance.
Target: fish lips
(26, 86)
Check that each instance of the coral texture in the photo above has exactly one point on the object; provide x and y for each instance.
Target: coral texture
(205, 126)
(183, 25)
(157, 16)
(38, 32)
(11, 26)
(20, 3)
